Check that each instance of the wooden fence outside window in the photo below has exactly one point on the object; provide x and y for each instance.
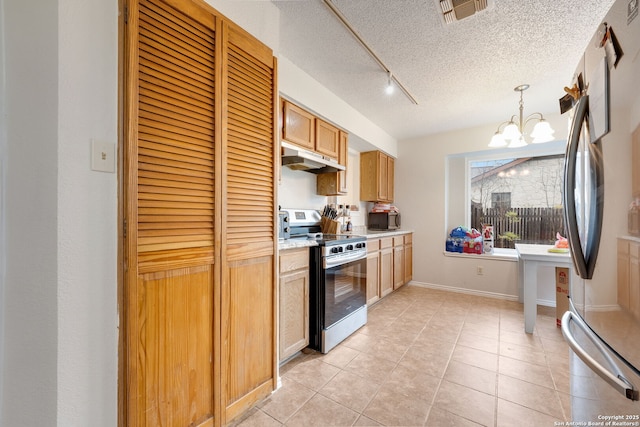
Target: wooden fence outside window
(520, 225)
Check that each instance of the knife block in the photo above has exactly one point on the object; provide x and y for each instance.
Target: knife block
(329, 226)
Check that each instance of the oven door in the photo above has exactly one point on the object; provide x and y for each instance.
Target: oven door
(344, 290)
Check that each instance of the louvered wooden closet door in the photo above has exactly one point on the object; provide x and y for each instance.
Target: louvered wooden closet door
(248, 304)
(171, 215)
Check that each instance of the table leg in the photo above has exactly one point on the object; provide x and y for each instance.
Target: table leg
(530, 291)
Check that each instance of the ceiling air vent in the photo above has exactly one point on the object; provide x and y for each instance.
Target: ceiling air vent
(456, 10)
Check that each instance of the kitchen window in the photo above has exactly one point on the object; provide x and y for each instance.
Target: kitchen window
(518, 191)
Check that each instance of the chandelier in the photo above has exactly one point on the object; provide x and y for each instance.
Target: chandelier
(513, 134)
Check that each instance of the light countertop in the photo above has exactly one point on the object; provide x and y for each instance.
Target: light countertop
(285, 244)
(375, 234)
(541, 253)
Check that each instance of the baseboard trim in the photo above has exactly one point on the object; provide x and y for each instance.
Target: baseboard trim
(494, 295)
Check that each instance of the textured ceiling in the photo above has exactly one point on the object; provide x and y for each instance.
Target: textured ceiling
(462, 74)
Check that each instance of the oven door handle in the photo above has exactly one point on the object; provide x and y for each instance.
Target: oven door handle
(330, 262)
(615, 378)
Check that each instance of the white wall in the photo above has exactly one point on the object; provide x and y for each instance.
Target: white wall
(59, 363)
(421, 178)
(30, 307)
(87, 214)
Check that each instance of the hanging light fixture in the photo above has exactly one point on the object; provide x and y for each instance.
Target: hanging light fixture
(512, 135)
(389, 89)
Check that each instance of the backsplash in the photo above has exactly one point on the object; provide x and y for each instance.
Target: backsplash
(297, 189)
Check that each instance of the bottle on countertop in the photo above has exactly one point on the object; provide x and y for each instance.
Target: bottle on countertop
(349, 225)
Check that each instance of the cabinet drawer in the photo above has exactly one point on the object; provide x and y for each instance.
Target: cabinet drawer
(408, 238)
(398, 241)
(294, 259)
(373, 245)
(387, 242)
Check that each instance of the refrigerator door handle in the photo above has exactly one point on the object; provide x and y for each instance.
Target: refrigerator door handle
(615, 379)
(583, 252)
(570, 216)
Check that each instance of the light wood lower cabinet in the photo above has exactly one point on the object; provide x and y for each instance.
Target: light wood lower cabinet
(629, 276)
(386, 266)
(398, 262)
(294, 302)
(408, 258)
(373, 271)
(389, 265)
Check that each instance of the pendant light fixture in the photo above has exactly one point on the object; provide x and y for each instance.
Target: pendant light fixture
(512, 135)
(389, 89)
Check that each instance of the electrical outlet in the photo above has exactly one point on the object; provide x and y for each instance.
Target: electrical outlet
(479, 270)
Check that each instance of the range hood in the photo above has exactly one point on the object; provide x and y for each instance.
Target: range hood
(298, 158)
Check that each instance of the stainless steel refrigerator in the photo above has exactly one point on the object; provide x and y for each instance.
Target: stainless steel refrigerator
(602, 325)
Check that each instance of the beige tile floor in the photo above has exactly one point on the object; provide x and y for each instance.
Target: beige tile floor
(429, 358)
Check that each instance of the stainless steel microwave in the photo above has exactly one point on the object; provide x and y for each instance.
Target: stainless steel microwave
(384, 220)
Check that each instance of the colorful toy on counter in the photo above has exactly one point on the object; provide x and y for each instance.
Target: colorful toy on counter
(561, 245)
(464, 240)
(473, 242)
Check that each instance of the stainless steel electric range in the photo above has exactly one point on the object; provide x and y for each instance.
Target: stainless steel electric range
(338, 273)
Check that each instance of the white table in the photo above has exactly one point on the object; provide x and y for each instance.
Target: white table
(530, 257)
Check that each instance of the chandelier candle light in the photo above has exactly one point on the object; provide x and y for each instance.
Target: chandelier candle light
(512, 136)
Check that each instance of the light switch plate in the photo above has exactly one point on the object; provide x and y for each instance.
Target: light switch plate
(103, 156)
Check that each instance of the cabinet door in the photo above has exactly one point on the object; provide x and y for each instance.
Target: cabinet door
(343, 159)
(623, 273)
(335, 183)
(248, 239)
(386, 271)
(383, 176)
(373, 277)
(298, 126)
(368, 176)
(169, 290)
(327, 139)
(390, 178)
(294, 313)
(398, 266)
(408, 261)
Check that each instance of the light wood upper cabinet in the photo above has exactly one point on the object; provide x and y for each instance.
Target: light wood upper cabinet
(302, 128)
(335, 183)
(327, 139)
(298, 126)
(377, 171)
(391, 173)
